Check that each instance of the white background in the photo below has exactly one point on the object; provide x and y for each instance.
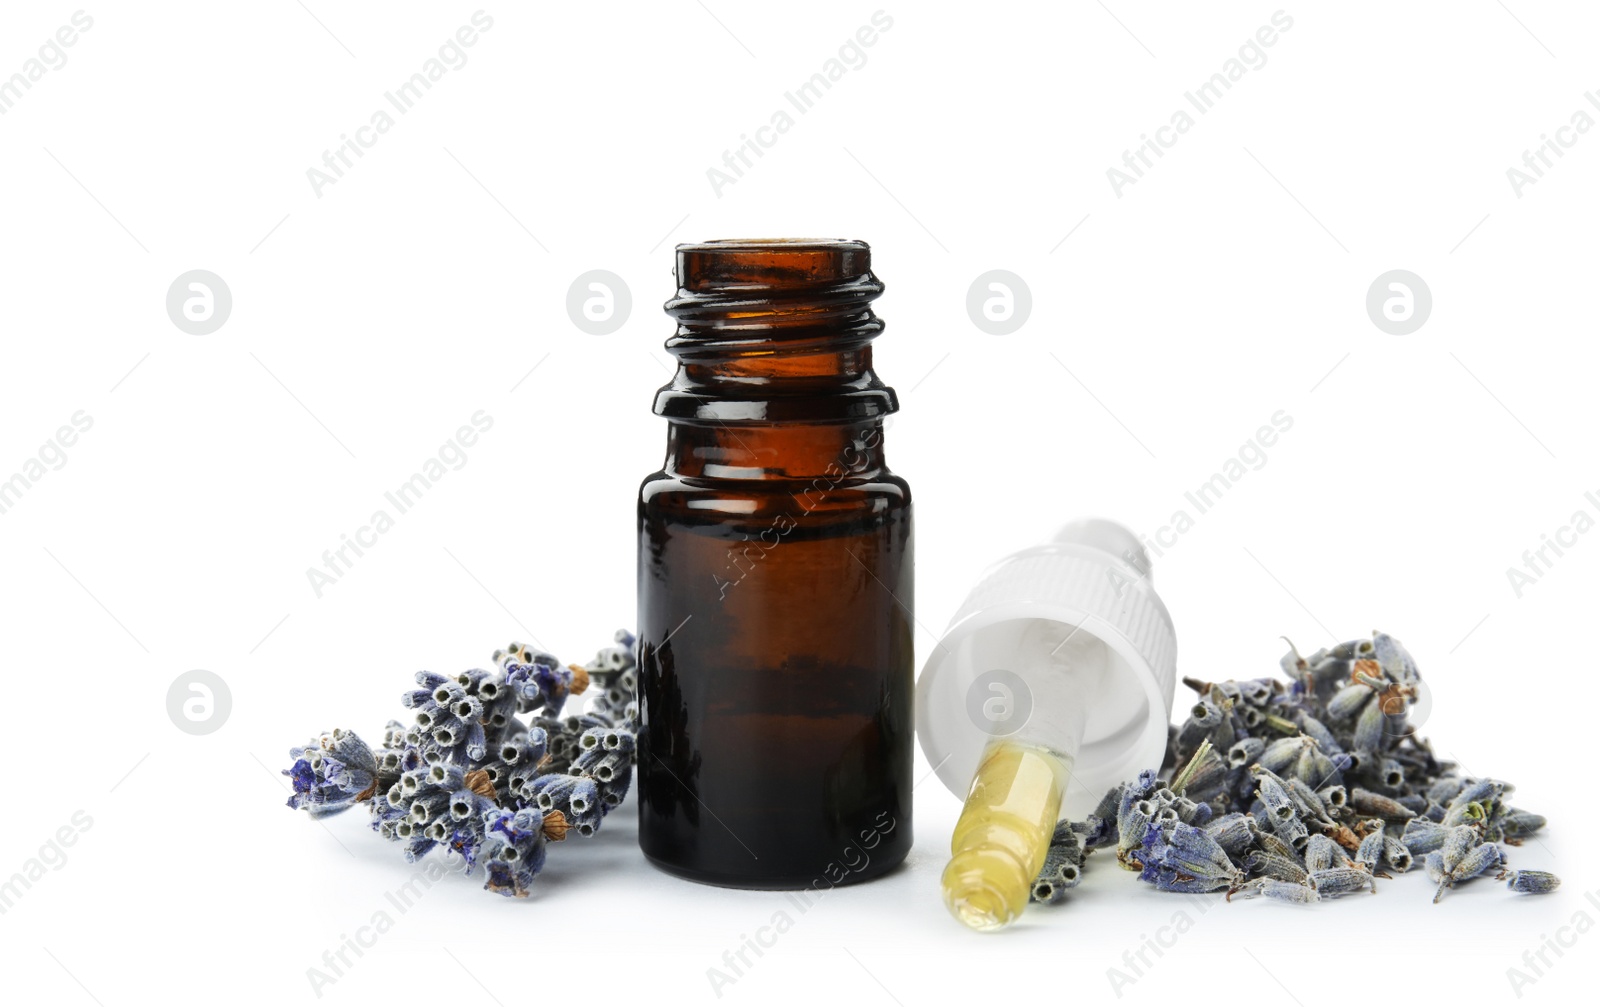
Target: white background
(372, 320)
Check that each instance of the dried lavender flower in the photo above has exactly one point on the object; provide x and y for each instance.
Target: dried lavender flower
(332, 773)
(1449, 872)
(1323, 853)
(469, 778)
(1341, 881)
(1530, 882)
(1063, 865)
(1423, 836)
(1370, 853)
(1396, 854)
(1232, 833)
(1324, 777)
(1295, 892)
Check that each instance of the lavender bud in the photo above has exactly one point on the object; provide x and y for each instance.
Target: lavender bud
(1280, 755)
(1355, 762)
(446, 777)
(1168, 880)
(1341, 881)
(1246, 752)
(1517, 824)
(1292, 664)
(1483, 857)
(1293, 831)
(1396, 855)
(1348, 702)
(1317, 731)
(1368, 803)
(428, 805)
(468, 805)
(1276, 867)
(1445, 789)
(1394, 659)
(1370, 852)
(1461, 812)
(1422, 836)
(1270, 843)
(1320, 853)
(1048, 892)
(1481, 791)
(1231, 832)
(1392, 773)
(1204, 719)
(1307, 801)
(1130, 831)
(1453, 864)
(1414, 803)
(1188, 850)
(1370, 728)
(1296, 893)
(1314, 768)
(1457, 843)
(1531, 882)
(1280, 808)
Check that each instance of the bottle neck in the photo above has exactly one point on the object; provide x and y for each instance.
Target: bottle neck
(827, 452)
(775, 332)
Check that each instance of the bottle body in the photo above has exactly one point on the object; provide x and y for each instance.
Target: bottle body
(775, 593)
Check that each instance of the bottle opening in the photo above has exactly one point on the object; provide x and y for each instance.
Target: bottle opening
(770, 263)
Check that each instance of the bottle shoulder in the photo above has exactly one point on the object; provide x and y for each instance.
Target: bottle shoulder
(710, 499)
(880, 483)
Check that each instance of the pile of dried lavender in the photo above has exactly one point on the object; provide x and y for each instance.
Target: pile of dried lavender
(469, 778)
(1302, 791)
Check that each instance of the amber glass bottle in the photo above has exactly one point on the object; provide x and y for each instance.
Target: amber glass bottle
(775, 578)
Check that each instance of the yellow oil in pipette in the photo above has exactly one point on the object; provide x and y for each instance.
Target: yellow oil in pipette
(1001, 839)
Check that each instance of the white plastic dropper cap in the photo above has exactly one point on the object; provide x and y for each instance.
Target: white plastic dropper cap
(1064, 646)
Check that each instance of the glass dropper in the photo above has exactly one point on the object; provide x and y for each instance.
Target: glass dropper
(1053, 683)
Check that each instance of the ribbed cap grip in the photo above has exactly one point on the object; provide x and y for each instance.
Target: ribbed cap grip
(1089, 586)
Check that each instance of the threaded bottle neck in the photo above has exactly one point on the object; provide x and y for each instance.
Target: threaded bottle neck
(775, 330)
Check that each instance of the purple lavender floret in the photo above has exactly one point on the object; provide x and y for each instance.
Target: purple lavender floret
(468, 778)
(542, 684)
(514, 850)
(331, 774)
(1180, 857)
